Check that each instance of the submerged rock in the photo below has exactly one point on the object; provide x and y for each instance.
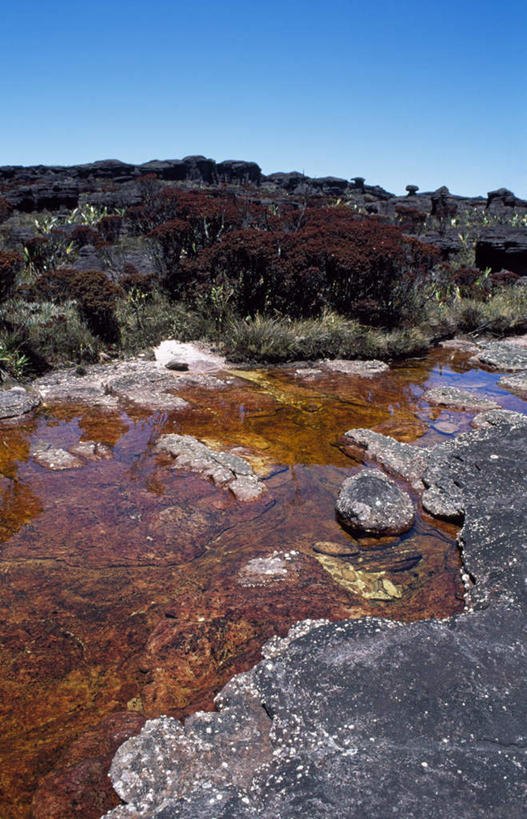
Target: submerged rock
(55, 458)
(223, 468)
(370, 503)
(92, 451)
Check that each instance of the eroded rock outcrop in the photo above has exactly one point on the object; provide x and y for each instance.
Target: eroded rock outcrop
(502, 355)
(222, 468)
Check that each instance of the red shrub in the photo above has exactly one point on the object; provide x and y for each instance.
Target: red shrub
(95, 293)
(10, 265)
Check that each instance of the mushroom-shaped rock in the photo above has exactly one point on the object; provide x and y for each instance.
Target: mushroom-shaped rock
(370, 503)
(412, 189)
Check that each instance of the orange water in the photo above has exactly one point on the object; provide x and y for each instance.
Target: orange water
(102, 608)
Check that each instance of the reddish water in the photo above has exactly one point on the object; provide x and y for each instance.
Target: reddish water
(108, 604)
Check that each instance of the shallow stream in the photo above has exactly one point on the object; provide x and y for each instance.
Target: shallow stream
(126, 585)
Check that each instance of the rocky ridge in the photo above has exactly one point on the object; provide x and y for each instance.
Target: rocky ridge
(110, 183)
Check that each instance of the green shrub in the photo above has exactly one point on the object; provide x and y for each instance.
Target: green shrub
(50, 334)
(145, 319)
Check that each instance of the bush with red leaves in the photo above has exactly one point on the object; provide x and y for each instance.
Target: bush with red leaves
(84, 235)
(11, 263)
(95, 294)
(330, 258)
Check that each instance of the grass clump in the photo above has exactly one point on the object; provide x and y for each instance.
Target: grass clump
(47, 335)
(145, 319)
(278, 339)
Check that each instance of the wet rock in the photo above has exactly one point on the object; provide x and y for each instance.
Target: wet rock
(223, 468)
(55, 458)
(204, 747)
(405, 460)
(444, 504)
(203, 381)
(371, 503)
(515, 383)
(480, 477)
(365, 369)
(17, 401)
(365, 715)
(147, 387)
(370, 713)
(458, 399)
(502, 355)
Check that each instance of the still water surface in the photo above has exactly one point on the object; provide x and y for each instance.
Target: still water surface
(128, 585)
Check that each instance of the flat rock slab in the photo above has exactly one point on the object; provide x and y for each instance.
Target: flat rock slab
(222, 468)
(17, 401)
(365, 369)
(405, 460)
(502, 355)
(515, 383)
(365, 715)
(458, 399)
(370, 503)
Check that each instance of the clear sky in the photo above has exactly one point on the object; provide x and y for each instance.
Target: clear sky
(397, 91)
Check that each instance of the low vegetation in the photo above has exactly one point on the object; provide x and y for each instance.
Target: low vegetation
(269, 282)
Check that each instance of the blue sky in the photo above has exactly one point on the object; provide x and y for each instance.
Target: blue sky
(397, 91)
